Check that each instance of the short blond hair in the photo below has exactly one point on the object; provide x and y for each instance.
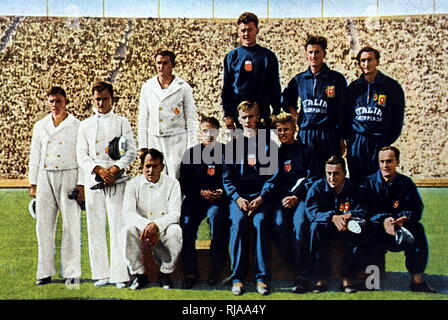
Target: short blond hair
(284, 118)
(249, 106)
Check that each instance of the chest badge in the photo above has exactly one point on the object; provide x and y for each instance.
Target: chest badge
(211, 170)
(287, 165)
(175, 110)
(382, 100)
(330, 91)
(251, 159)
(248, 66)
(344, 207)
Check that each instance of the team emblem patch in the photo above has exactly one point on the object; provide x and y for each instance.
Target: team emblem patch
(175, 110)
(330, 91)
(344, 207)
(287, 165)
(382, 100)
(251, 160)
(211, 170)
(248, 66)
(375, 97)
(396, 204)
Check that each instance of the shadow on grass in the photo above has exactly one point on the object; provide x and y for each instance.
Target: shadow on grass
(392, 281)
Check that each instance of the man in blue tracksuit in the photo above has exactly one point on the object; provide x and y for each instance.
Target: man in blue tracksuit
(374, 116)
(298, 170)
(320, 93)
(395, 209)
(249, 165)
(201, 183)
(331, 204)
(251, 72)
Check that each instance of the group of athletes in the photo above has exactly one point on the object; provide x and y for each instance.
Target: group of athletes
(295, 193)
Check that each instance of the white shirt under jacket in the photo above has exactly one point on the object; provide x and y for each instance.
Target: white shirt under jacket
(53, 148)
(145, 202)
(94, 136)
(165, 112)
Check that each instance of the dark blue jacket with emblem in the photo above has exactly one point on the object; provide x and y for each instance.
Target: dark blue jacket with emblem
(250, 177)
(322, 202)
(298, 170)
(322, 98)
(375, 109)
(251, 73)
(399, 198)
(201, 170)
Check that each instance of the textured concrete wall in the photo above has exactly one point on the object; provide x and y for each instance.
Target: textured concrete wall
(38, 53)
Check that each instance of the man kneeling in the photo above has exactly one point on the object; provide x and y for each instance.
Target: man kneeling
(151, 211)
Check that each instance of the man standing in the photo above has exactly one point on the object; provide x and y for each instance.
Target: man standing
(320, 93)
(105, 198)
(298, 170)
(53, 175)
(395, 208)
(201, 183)
(151, 213)
(167, 114)
(247, 178)
(330, 204)
(251, 72)
(375, 116)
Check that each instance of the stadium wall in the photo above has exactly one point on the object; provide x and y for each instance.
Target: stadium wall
(39, 52)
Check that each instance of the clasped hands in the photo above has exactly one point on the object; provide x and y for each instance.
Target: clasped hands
(109, 176)
(249, 206)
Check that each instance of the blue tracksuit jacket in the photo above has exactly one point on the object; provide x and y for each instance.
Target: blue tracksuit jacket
(322, 98)
(251, 73)
(376, 109)
(396, 199)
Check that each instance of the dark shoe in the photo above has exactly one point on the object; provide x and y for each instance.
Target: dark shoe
(320, 288)
(165, 281)
(422, 287)
(139, 282)
(226, 280)
(43, 281)
(348, 289)
(301, 286)
(189, 282)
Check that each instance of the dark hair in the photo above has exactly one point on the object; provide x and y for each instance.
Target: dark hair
(56, 90)
(155, 154)
(317, 40)
(166, 53)
(212, 121)
(102, 85)
(394, 149)
(248, 17)
(368, 49)
(335, 160)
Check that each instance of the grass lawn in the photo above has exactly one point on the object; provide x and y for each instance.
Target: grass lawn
(18, 249)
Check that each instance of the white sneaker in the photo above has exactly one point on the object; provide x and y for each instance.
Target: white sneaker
(120, 285)
(238, 288)
(101, 282)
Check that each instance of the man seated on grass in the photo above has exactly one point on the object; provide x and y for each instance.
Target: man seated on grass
(331, 203)
(395, 208)
(151, 212)
(201, 183)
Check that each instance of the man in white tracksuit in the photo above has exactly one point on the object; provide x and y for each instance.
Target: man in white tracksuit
(53, 174)
(152, 203)
(94, 136)
(167, 118)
